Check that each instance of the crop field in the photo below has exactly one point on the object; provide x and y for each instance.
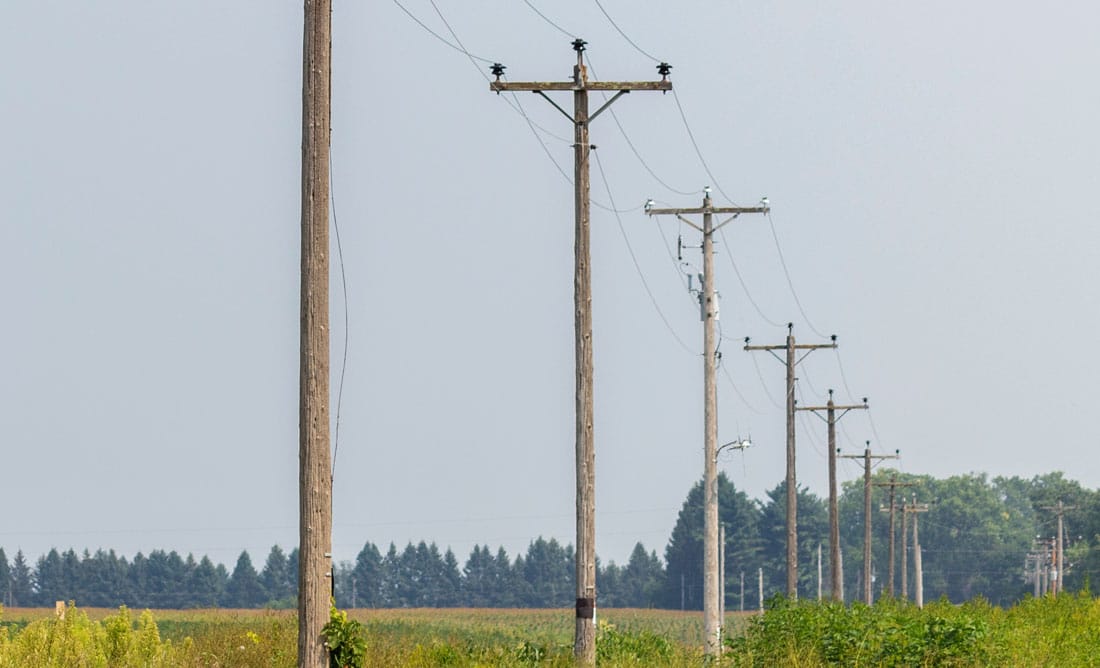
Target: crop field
(395, 637)
(1051, 631)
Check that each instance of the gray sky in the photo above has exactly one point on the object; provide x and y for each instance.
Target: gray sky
(929, 168)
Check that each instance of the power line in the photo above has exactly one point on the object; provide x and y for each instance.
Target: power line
(790, 283)
(547, 19)
(634, 258)
(439, 37)
(698, 152)
(729, 378)
(457, 45)
(744, 287)
(625, 36)
(344, 292)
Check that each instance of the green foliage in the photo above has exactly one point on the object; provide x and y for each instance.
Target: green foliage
(347, 644)
(622, 648)
(887, 634)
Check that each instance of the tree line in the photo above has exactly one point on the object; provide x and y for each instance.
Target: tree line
(975, 540)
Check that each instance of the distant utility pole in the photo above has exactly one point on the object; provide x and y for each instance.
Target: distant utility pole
(836, 580)
(708, 302)
(792, 491)
(918, 568)
(868, 593)
(314, 468)
(1057, 581)
(584, 639)
(892, 509)
(906, 508)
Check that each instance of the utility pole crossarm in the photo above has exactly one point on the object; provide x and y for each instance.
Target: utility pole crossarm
(536, 86)
(709, 209)
(838, 407)
(798, 346)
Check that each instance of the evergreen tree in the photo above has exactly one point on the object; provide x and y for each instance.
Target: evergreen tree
(22, 582)
(244, 589)
(366, 578)
(642, 579)
(5, 579)
(137, 582)
(683, 581)
(275, 576)
(49, 579)
(477, 582)
(206, 584)
(452, 580)
(549, 572)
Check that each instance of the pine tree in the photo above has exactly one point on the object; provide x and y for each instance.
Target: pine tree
(244, 589)
(22, 581)
(5, 579)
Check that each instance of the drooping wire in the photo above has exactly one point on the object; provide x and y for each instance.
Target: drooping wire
(624, 35)
(634, 149)
(698, 151)
(344, 291)
(790, 283)
(547, 19)
(634, 259)
(843, 376)
(744, 287)
(737, 390)
(439, 37)
(764, 384)
(642, 160)
(851, 395)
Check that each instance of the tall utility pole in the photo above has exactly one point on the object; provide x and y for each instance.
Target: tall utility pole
(906, 508)
(1056, 582)
(868, 593)
(792, 490)
(831, 418)
(918, 568)
(708, 302)
(314, 468)
(584, 640)
(892, 509)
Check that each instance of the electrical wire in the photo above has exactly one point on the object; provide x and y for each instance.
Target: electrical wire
(744, 287)
(851, 396)
(634, 258)
(729, 379)
(787, 274)
(439, 37)
(695, 145)
(624, 35)
(344, 292)
(634, 149)
(760, 375)
(547, 19)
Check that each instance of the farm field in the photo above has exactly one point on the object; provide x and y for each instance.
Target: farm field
(395, 637)
(1051, 631)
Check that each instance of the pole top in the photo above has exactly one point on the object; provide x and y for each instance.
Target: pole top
(579, 44)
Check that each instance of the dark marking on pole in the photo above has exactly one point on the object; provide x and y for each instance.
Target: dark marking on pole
(586, 608)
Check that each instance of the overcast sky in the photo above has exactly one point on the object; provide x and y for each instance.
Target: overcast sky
(932, 170)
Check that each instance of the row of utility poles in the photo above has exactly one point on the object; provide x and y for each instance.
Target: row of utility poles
(315, 474)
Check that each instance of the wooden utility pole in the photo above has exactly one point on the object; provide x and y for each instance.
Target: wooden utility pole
(906, 508)
(1056, 582)
(831, 418)
(584, 640)
(792, 489)
(721, 582)
(868, 592)
(315, 474)
(892, 509)
(708, 312)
